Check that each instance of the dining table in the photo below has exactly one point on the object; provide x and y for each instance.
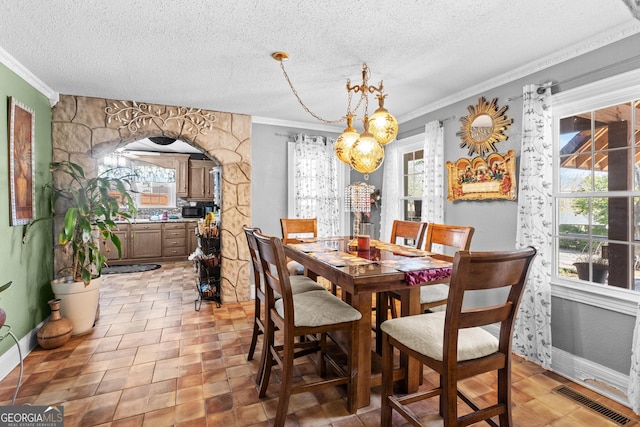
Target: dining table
(361, 274)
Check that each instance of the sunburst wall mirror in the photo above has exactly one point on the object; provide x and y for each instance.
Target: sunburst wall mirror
(483, 127)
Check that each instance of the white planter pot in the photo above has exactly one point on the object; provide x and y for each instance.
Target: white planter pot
(79, 303)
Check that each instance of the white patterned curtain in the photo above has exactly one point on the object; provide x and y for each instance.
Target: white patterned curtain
(391, 207)
(315, 184)
(532, 330)
(433, 195)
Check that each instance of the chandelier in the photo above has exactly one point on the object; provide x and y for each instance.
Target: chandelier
(363, 151)
(357, 199)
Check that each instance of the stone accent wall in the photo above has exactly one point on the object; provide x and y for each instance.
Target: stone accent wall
(85, 129)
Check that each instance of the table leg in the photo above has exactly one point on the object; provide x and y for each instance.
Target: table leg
(381, 316)
(362, 302)
(410, 305)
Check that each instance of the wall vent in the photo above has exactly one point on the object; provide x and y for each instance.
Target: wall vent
(583, 400)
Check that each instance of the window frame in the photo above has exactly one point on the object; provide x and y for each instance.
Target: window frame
(590, 97)
(409, 145)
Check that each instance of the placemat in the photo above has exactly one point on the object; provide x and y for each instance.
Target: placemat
(340, 259)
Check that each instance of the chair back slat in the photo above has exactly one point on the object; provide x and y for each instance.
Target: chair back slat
(274, 271)
(292, 228)
(452, 237)
(486, 316)
(408, 230)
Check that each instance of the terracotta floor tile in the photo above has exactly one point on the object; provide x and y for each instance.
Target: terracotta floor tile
(153, 360)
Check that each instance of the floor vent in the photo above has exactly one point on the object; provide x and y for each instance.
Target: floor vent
(609, 413)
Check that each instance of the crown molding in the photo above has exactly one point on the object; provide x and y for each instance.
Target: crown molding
(12, 64)
(293, 124)
(543, 63)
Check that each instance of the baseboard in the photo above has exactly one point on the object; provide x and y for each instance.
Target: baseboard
(593, 376)
(11, 358)
(596, 377)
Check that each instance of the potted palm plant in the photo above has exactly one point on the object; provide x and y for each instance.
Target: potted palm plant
(93, 204)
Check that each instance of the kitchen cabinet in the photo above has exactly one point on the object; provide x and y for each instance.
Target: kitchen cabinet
(201, 180)
(153, 242)
(145, 241)
(174, 239)
(110, 251)
(182, 175)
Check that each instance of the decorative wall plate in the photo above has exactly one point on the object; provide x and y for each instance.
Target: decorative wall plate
(483, 127)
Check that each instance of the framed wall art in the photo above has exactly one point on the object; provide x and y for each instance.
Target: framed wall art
(493, 177)
(21, 162)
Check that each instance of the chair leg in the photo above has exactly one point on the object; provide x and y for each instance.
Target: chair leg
(287, 380)
(387, 381)
(256, 329)
(352, 368)
(504, 394)
(267, 353)
(392, 304)
(449, 400)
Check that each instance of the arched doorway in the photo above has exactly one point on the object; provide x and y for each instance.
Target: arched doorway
(84, 129)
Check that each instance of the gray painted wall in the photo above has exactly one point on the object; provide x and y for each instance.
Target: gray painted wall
(592, 333)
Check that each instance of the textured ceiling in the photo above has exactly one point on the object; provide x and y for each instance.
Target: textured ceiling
(216, 54)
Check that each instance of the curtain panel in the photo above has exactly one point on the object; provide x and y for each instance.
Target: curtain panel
(391, 207)
(433, 194)
(316, 183)
(532, 330)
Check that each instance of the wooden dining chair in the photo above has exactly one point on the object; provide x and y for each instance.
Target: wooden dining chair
(451, 238)
(314, 315)
(454, 344)
(299, 284)
(407, 231)
(294, 229)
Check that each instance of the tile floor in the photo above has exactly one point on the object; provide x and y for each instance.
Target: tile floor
(152, 360)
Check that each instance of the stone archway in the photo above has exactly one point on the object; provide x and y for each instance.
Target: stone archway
(84, 129)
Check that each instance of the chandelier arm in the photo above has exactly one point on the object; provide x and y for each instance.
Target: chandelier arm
(295, 92)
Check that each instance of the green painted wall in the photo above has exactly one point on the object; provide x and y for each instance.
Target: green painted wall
(29, 265)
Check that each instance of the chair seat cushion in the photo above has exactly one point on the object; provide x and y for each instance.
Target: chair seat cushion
(319, 308)
(424, 333)
(300, 284)
(295, 268)
(433, 293)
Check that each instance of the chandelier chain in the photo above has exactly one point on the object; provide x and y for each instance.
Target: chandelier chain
(295, 92)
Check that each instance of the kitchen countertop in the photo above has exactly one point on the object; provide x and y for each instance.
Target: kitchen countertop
(159, 221)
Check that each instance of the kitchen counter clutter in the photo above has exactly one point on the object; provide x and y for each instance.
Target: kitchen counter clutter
(207, 258)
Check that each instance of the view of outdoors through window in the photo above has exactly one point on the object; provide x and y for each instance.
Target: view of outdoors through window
(155, 186)
(413, 184)
(598, 196)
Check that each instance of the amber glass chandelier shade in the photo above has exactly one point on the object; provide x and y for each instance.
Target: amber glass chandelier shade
(367, 154)
(383, 126)
(342, 147)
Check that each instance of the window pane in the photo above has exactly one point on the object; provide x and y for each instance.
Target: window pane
(575, 134)
(412, 210)
(612, 126)
(413, 173)
(575, 173)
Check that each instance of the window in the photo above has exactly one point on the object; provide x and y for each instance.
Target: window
(413, 184)
(597, 184)
(316, 183)
(155, 186)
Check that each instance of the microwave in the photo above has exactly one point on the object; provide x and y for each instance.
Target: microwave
(193, 212)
